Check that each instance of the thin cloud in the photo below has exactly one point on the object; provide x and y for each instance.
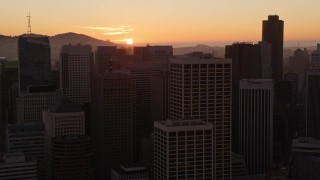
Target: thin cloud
(115, 33)
(112, 30)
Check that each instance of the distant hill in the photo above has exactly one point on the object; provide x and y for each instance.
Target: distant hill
(8, 44)
(217, 51)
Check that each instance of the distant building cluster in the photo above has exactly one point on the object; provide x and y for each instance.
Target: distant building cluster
(142, 113)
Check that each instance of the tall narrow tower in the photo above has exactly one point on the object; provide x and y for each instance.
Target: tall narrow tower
(272, 32)
(76, 71)
(256, 124)
(29, 24)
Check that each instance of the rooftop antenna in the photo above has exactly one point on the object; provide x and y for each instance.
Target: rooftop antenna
(29, 24)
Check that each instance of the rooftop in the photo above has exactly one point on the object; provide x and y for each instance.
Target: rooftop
(131, 169)
(65, 105)
(25, 129)
(305, 144)
(185, 59)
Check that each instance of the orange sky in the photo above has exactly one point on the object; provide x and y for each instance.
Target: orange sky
(165, 21)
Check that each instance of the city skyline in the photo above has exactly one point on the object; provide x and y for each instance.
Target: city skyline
(165, 22)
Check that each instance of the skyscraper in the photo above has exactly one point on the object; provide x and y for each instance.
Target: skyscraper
(34, 61)
(183, 149)
(313, 104)
(160, 97)
(103, 57)
(113, 110)
(248, 61)
(8, 76)
(315, 58)
(256, 124)
(299, 62)
(272, 32)
(76, 71)
(144, 73)
(201, 89)
(161, 54)
(65, 119)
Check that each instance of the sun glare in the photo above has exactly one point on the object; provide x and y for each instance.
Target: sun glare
(129, 41)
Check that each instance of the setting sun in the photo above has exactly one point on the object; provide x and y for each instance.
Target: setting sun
(129, 41)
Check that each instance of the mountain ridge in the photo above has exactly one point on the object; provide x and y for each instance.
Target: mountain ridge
(9, 48)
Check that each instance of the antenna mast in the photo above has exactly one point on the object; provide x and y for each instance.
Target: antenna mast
(29, 24)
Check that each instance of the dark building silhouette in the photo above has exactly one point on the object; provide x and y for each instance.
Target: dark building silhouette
(299, 62)
(72, 158)
(249, 61)
(313, 104)
(144, 74)
(272, 32)
(76, 70)
(113, 115)
(8, 77)
(160, 97)
(13, 93)
(239, 168)
(155, 53)
(34, 61)
(103, 59)
(283, 119)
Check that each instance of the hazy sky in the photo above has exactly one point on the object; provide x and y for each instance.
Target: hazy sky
(162, 21)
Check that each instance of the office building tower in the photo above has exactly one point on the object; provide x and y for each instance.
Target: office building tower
(129, 173)
(266, 69)
(313, 104)
(246, 60)
(34, 61)
(272, 32)
(183, 149)
(315, 58)
(201, 89)
(256, 124)
(103, 58)
(72, 158)
(294, 79)
(113, 110)
(28, 138)
(249, 61)
(31, 104)
(160, 97)
(8, 76)
(144, 73)
(13, 94)
(161, 54)
(64, 119)
(76, 69)
(282, 120)
(18, 166)
(305, 159)
(299, 62)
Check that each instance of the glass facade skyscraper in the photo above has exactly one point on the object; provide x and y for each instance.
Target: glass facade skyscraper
(34, 61)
